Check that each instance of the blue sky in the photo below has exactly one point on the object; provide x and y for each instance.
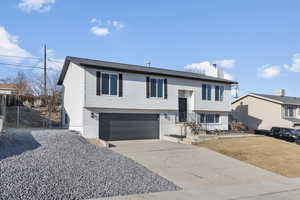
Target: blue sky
(256, 42)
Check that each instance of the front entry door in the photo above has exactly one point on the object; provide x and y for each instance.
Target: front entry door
(182, 102)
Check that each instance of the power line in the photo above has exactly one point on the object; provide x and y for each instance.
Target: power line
(21, 57)
(52, 60)
(19, 65)
(23, 68)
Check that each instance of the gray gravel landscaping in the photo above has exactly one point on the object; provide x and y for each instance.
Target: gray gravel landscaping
(57, 164)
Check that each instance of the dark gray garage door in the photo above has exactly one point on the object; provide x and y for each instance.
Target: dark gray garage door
(128, 126)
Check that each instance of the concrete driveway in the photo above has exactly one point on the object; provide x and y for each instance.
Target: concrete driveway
(203, 173)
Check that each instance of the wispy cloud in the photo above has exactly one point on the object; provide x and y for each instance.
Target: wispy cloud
(269, 72)
(54, 64)
(206, 68)
(94, 20)
(227, 63)
(13, 54)
(9, 46)
(118, 25)
(100, 31)
(295, 67)
(36, 5)
(104, 28)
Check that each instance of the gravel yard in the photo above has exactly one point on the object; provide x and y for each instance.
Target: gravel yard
(57, 164)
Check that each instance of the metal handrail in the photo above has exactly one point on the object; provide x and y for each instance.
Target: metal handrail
(187, 117)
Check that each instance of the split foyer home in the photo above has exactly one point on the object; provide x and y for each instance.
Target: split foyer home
(115, 101)
(262, 111)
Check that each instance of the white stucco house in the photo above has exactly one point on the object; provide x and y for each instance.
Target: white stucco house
(115, 101)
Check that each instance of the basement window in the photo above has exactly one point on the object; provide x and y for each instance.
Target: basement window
(209, 118)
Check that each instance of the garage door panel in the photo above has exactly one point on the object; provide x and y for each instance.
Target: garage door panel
(128, 126)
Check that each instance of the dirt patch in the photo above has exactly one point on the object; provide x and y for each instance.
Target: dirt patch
(268, 153)
(95, 142)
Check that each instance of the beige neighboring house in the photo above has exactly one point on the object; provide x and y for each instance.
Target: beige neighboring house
(262, 111)
(8, 89)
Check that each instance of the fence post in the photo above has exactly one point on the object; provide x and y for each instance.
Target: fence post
(18, 115)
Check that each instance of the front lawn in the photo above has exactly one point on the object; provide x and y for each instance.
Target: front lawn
(265, 152)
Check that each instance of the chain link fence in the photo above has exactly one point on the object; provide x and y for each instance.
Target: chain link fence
(30, 112)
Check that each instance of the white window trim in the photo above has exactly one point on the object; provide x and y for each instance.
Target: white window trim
(163, 90)
(110, 73)
(290, 117)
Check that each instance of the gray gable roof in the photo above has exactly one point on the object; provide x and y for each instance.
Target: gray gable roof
(282, 99)
(136, 69)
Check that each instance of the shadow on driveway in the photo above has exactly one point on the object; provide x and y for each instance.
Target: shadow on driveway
(16, 143)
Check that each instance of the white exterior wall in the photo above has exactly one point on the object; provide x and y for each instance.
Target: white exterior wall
(167, 119)
(73, 97)
(134, 94)
(91, 125)
(80, 100)
(134, 101)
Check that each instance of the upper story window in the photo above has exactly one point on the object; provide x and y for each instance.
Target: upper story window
(206, 92)
(109, 84)
(290, 111)
(219, 93)
(156, 86)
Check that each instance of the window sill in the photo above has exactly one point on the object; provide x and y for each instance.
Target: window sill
(210, 123)
(107, 95)
(290, 117)
(157, 98)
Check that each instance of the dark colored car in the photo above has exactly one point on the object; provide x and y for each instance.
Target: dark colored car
(287, 134)
(262, 132)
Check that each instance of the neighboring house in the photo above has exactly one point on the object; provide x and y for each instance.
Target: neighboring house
(9, 92)
(116, 101)
(261, 111)
(8, 89)
(7, 95)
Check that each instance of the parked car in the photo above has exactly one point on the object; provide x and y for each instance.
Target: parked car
(262, 132)
(287, 134)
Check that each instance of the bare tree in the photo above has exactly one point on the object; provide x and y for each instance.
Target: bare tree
(37, 85)
(54, 91)
(22, 84)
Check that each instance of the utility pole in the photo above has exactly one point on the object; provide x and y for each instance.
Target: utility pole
(45, 80)
(45, 72)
